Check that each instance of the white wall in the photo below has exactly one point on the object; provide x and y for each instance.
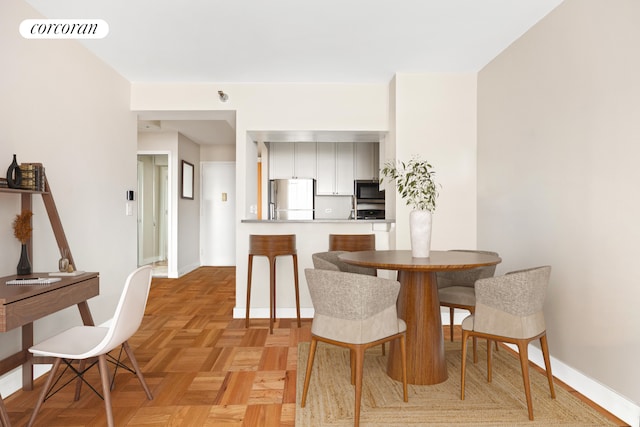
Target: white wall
(559, 125)
(63, 107)
(189, 210)
(435, 118)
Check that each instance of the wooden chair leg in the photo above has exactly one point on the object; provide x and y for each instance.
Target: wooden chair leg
(359, 351)
(451, 322)
(524, 364)
(475, 350)
(352, 365)
(463, 362)
(307, 377)
(295, 281)
(81, 366)
(45, 390)
(403, 354)
(4, 415)
(106, 388)
(136, 368)
(547, 364)
(272, 291)
(246, 319)
(489, 366)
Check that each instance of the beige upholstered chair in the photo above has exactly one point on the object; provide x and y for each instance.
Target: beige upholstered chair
(509, 309)
(330, 261)
(456, 290)
(357, 312)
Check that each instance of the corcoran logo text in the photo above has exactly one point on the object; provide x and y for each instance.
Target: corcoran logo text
(64, 28)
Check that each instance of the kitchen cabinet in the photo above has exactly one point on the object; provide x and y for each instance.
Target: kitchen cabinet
(335, 168)
(292, 160)
(367, 160)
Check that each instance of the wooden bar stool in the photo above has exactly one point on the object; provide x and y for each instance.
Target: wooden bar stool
(352, 242)
(272, 246)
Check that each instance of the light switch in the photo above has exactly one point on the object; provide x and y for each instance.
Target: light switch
(224, 197)
(128, 209)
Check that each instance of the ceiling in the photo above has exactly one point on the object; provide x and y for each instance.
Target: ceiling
(294, 41)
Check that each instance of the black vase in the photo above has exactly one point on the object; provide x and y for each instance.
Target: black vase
(24, 266)
(14, 174)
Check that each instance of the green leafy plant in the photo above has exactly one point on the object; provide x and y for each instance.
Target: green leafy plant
(414, 181)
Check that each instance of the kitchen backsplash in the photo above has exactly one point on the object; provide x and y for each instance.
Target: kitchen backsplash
(333, 207)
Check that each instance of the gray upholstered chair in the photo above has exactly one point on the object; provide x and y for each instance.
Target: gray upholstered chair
(509, 309)
(456, 290)
(357, 312)
(330, 261)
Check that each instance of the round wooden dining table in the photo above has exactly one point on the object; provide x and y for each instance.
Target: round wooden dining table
(419, 306)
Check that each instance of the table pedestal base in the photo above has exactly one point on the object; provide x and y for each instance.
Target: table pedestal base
(419, 307)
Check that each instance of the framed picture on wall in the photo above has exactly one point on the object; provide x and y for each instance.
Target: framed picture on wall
(187, 180)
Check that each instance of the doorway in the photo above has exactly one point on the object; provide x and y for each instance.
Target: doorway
(218, 209)
(153, 211)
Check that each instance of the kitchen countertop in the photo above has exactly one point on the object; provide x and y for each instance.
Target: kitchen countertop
(316, 221)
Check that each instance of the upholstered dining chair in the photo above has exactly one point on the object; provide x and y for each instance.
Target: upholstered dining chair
(331, 261)
(357, 312)
(456, 290)
(509, 309)
(354, 243)
(82, 343)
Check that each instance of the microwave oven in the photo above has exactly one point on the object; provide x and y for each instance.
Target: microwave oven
(369, 199)
(368, 190)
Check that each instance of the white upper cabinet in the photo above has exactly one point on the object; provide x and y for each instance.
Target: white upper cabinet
(335, 168)
(367, 159)
(292, 160)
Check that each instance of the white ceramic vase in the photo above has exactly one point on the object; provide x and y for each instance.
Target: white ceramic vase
(420, 229)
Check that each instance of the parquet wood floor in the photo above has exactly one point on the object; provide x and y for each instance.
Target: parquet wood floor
(203, 367)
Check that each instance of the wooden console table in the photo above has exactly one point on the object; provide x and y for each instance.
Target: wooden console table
(21, 305)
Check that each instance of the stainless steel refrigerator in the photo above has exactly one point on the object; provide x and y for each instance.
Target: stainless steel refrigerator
(291, 198)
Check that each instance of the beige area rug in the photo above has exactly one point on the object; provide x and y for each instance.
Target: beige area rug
(330, 400)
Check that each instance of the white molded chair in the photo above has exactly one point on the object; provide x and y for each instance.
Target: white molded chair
(86, 342)
(509, 309)
(357, 312)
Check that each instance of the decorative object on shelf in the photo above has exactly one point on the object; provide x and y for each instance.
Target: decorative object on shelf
(14, 174)
(63, 263)
(415, 183)
(22, 230)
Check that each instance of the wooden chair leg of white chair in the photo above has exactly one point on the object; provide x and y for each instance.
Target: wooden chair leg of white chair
(136, 368)
(489, 367)
(105, 378)
(307, 376)
(45, 390)
(81, 365)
